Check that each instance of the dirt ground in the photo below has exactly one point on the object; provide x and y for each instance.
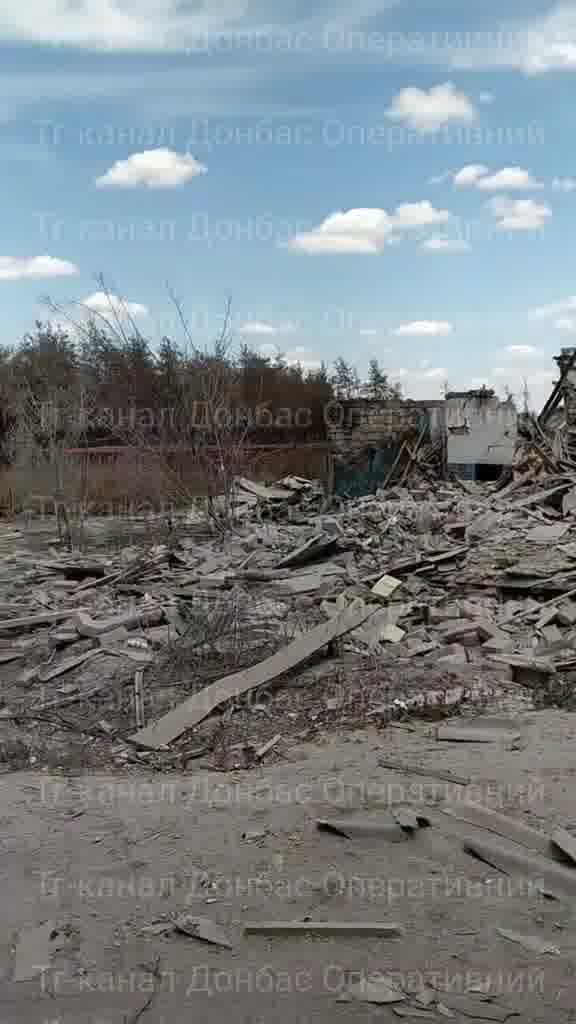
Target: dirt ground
(110, 859)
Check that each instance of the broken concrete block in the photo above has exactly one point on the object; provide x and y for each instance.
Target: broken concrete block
(386, 586)
(486, 629)
(457, 656)
(547, 534)
(419, 647)
(527, 671)
(462, 632)
(379, 991)
(446, 613)
(498, 642)
(391, 634)
(551, 635)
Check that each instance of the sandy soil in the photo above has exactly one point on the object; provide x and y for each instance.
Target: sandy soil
(109, 859)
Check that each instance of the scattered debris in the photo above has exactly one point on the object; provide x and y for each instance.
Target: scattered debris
(565, 843)
(474, 1008)
(386, 586)
(42, 619)
(531, 943)
(380, 991)
(409, 819)
(547, 877)
(428, 773)
(267, 747)
(501, 824)
(198, 707)
(212, 615)
(204, 929)
(321, 545)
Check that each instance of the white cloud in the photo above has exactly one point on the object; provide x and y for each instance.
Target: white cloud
(549, 43)
(366, 230)
(418, 215)
(303, 357)
(518, 214)
(509, 178)
(554, 309)
(428, 111)
(564, 184)
(317, 243)
(171, 24)
(424, 328)
(154, 168)
(255, 328)
(469, 175)
(534, 46)
(113, 305)
(446, 245)
(14, 268)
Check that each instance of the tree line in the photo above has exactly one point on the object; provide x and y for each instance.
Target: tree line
(110, 387)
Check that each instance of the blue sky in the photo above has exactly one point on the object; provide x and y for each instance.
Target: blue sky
(389, 179)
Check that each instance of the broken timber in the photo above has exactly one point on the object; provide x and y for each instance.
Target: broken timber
(42, 619)
(384, 930)
(199, 706)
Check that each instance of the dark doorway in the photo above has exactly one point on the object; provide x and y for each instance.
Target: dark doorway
(486, 473)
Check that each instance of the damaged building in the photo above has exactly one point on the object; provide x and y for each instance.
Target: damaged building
(481, 434)
(471, 435)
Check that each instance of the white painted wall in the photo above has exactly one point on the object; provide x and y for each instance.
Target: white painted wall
(492, 431)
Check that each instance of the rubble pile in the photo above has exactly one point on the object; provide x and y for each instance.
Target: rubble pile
(302, 615)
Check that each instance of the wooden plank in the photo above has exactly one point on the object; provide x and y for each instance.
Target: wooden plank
(65, 666)
(197, 707)
(43, 619)
(501, 824)
(320, 545)
(378, 928)
(540, 497)
(546, 876)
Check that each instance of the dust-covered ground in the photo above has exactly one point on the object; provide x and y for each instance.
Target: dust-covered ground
(107, 862)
